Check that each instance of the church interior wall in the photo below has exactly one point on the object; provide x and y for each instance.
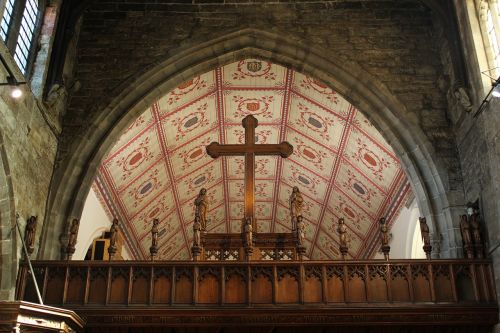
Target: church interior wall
(386, 42)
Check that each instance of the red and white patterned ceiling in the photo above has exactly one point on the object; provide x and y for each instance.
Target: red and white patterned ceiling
(341, 163)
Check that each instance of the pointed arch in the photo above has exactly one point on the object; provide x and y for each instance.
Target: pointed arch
(428, 177)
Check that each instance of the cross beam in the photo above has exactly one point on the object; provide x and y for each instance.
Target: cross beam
(249, 149)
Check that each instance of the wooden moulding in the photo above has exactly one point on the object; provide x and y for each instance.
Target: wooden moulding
(38, 318)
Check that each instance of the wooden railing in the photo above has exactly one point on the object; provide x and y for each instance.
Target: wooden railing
(89, 285)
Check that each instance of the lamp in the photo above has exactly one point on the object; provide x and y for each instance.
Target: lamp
(494, 92)
(15, 92)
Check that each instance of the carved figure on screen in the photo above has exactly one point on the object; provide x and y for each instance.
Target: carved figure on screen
(296, 202)
(113, 236)
(153, 250)
(465, 230)
(301, 230)
(29, 234)
(424, 231)
(342, 230)
(384, 232)
(248, 229)
(476, 234)
(197, 232)
(73, 235)
(201, 208)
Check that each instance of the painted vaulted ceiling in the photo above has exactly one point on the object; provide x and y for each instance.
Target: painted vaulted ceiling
(341, 163)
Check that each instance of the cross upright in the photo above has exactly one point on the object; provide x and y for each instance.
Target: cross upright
(249, 149)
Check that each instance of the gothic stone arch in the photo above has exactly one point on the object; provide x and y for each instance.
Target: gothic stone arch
(426, 173)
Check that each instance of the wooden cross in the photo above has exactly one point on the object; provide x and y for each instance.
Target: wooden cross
(249, 149)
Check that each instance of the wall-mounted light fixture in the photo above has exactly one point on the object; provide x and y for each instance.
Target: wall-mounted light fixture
(15, 90)
(493, 93)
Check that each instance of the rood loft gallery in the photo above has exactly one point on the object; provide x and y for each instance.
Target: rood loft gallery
(241, 166)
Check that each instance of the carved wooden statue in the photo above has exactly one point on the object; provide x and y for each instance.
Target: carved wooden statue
(29, 234)
(342, 230)
(301, 230)
(384, 237)
(476, 235)
(113, 236)
(73, 235)
(296, 202)
(201, 208)
(248, 230)
(197, 229)
(153, 250)
(466, 237)
(424, 230)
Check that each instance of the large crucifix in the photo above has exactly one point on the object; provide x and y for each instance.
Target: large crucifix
(249, 149)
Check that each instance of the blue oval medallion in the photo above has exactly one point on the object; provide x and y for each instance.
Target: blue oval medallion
(146, 188)
(359, 188)
(191, 122)
(315, 122)
(200, 180)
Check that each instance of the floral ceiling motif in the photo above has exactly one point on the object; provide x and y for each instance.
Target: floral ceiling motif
(341, 163)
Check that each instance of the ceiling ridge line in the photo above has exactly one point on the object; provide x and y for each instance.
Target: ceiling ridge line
(184, 106)
(219, 100)
(198, 136)
(395, 185)
(120, 211)
(170, 173)
(136, 178)
(279, 163)
(372, 237)
(331, 149)
(376, 143)
(336, 166)
(321, 106)
(128, 143)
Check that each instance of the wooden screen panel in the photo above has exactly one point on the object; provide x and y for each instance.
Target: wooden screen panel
(184, 290)
(208, 289)
(140, 290)
(262, 290)
(236, 290)
(463, 283)
(119, 288)
(357, 291)
(55, 287)
(442, 285)
(313, 292)
(76, 287)
(162, 290)
(335, 290)
(400, 289)
(287, 289)
(421, 289)
(97, 290)
(377, 290)
(30, 294)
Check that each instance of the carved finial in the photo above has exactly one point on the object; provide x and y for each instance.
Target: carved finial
(342, 230)
(153, 250)
(113, 236)
(296, 202)
(384, 237)
(476, 235)
(424, 231)
(73, 235)
(29, 234)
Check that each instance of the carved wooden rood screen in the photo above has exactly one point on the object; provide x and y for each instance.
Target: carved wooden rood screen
(248, 280)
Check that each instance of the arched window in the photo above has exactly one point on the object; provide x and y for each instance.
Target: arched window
(489, 22)
(19, 30)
